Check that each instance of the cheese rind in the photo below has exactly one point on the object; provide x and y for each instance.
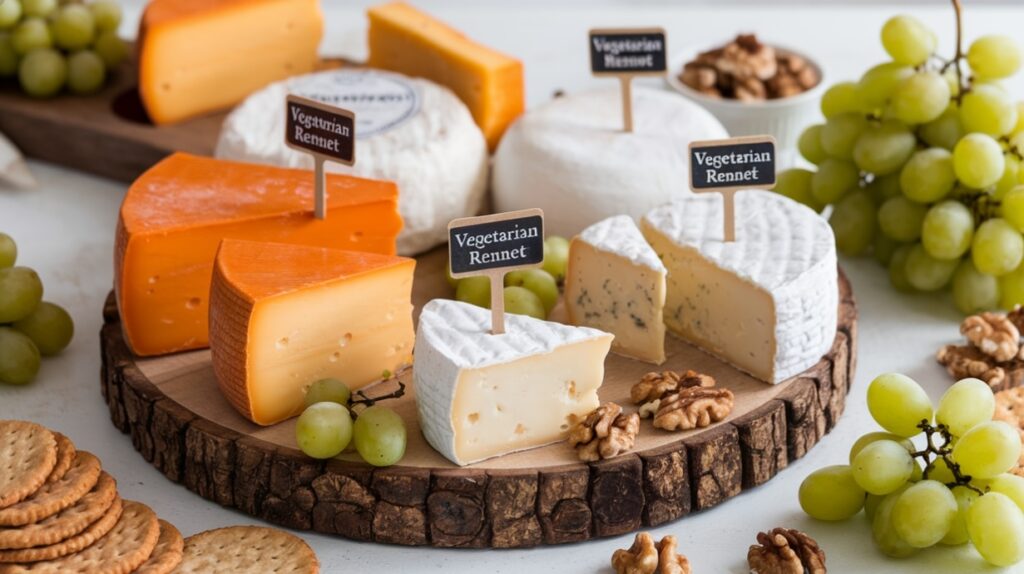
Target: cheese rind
(616, 283)
(405, 40)
(283, 316)
(481, 395)
(767, 302)
(175, 215)
(198, 56)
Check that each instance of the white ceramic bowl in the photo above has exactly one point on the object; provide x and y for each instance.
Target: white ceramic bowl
(783, 118)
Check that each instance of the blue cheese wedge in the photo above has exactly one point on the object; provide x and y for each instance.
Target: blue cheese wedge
(616, 283)
(481, 395)
(768, 302)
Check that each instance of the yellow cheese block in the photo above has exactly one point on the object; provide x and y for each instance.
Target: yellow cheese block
(176, 214)
(490, 83)
(198, 56)
(283, 316)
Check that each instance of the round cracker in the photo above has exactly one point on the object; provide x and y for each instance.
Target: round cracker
(28, 453)
(55, 496)
(65, 457)
(167, 553)
(66, 523)
(94, 532)
(248, 549)
(121, 551)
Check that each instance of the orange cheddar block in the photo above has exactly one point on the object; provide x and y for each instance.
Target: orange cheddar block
(283, 316)
(199, 56)
(176, 214)
(407, 41)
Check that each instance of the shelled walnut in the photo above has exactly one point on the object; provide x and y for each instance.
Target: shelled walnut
(646, 557)
(748, 70)
(785, 551)
(655, 385)
(694, 407)
(604, 433)
(993, 350)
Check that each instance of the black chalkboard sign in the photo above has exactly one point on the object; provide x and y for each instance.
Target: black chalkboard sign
(323, 130)
(627, 51)
(503, 241)
(738, 163)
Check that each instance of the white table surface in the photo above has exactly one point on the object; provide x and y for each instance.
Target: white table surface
(65, 230)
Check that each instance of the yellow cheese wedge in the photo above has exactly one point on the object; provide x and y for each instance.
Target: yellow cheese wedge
(283, 316)
(176, 214)
(198, 56)
(405, 40)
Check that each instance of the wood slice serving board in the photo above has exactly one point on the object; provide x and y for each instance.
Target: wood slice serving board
(182, 425)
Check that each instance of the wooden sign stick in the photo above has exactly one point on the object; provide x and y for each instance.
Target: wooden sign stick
(320, 206)
(729, 215)
(497, 302)
(627, 102)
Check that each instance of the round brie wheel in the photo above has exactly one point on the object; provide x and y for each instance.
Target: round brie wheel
(408, 130)
(571, 158)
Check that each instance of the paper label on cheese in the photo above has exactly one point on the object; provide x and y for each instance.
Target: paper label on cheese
(381, 102)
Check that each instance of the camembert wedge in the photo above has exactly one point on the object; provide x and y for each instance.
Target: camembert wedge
(481, 395)
(283, 316)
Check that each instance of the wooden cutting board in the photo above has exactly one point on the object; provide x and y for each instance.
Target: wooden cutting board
(180, 423)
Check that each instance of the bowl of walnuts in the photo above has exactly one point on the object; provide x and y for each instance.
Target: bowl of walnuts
(752, 87)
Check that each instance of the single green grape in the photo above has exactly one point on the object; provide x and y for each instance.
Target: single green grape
(556, 256)
(877, 85)
(86, 72)
(907, 40)
(74, 27)
(831, 494)
(379, 435)
(882, 466)
(1009, 484)
(1011, 288)
(988, 449)
(795, 184)
(839, 134)
(883, 531)
(994, 56)
(898, 404)
(106, 13)
(997, 247)
(883, 248)
(928, 176)
(974, 291)
(989, 110)
(884, 187)
(540, 282)
(328, 391)
(42, 73)
(474, 290)
(996, 528)
(323, 430)
(31, 34)
(884, 148)
(947, 230)
(522, 301)
(964, 405)
(111, 49)
(901, 219)
(944, 131)
(957, 534)
(924, 513)
(809, 144)
(10, 13)
(841, 98)
(898, 268)
(833, 180)
(853, 223)
(19, 357)
(1010, 177)
(921, 98)
(8, 251)
(873, 437)
(50, 327)
(927, 273)
(1011, 207)
(21, 290)
(38, 8)
(978, 160)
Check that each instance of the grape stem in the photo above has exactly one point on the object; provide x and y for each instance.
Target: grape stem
(932, 452)
(958, 58)
(360, 398)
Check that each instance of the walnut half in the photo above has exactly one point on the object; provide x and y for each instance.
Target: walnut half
(785, 551)
(646, 557)
(993, 334)
(604, 433)
(653, 386)
(692, 408)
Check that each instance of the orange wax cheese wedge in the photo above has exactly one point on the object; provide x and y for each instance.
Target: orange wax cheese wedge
(199, 56)
(283, 316)
(175, 215)
(407, 41)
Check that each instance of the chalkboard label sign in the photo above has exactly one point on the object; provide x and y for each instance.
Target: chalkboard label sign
(739, 163)
(320, 129)
(627, 51)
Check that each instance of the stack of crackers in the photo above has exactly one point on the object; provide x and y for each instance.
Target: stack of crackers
(61, 513)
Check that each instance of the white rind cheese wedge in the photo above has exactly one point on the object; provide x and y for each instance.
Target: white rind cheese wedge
(616, 283)
(481, 395)
(767, 302)
(571, 158)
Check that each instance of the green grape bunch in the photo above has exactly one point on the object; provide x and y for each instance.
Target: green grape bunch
(51, 46)
(920, 162)
(951, 487)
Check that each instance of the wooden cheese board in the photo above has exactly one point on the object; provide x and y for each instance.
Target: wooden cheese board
(180, 423)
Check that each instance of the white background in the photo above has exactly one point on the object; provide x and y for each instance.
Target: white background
(65, 230)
